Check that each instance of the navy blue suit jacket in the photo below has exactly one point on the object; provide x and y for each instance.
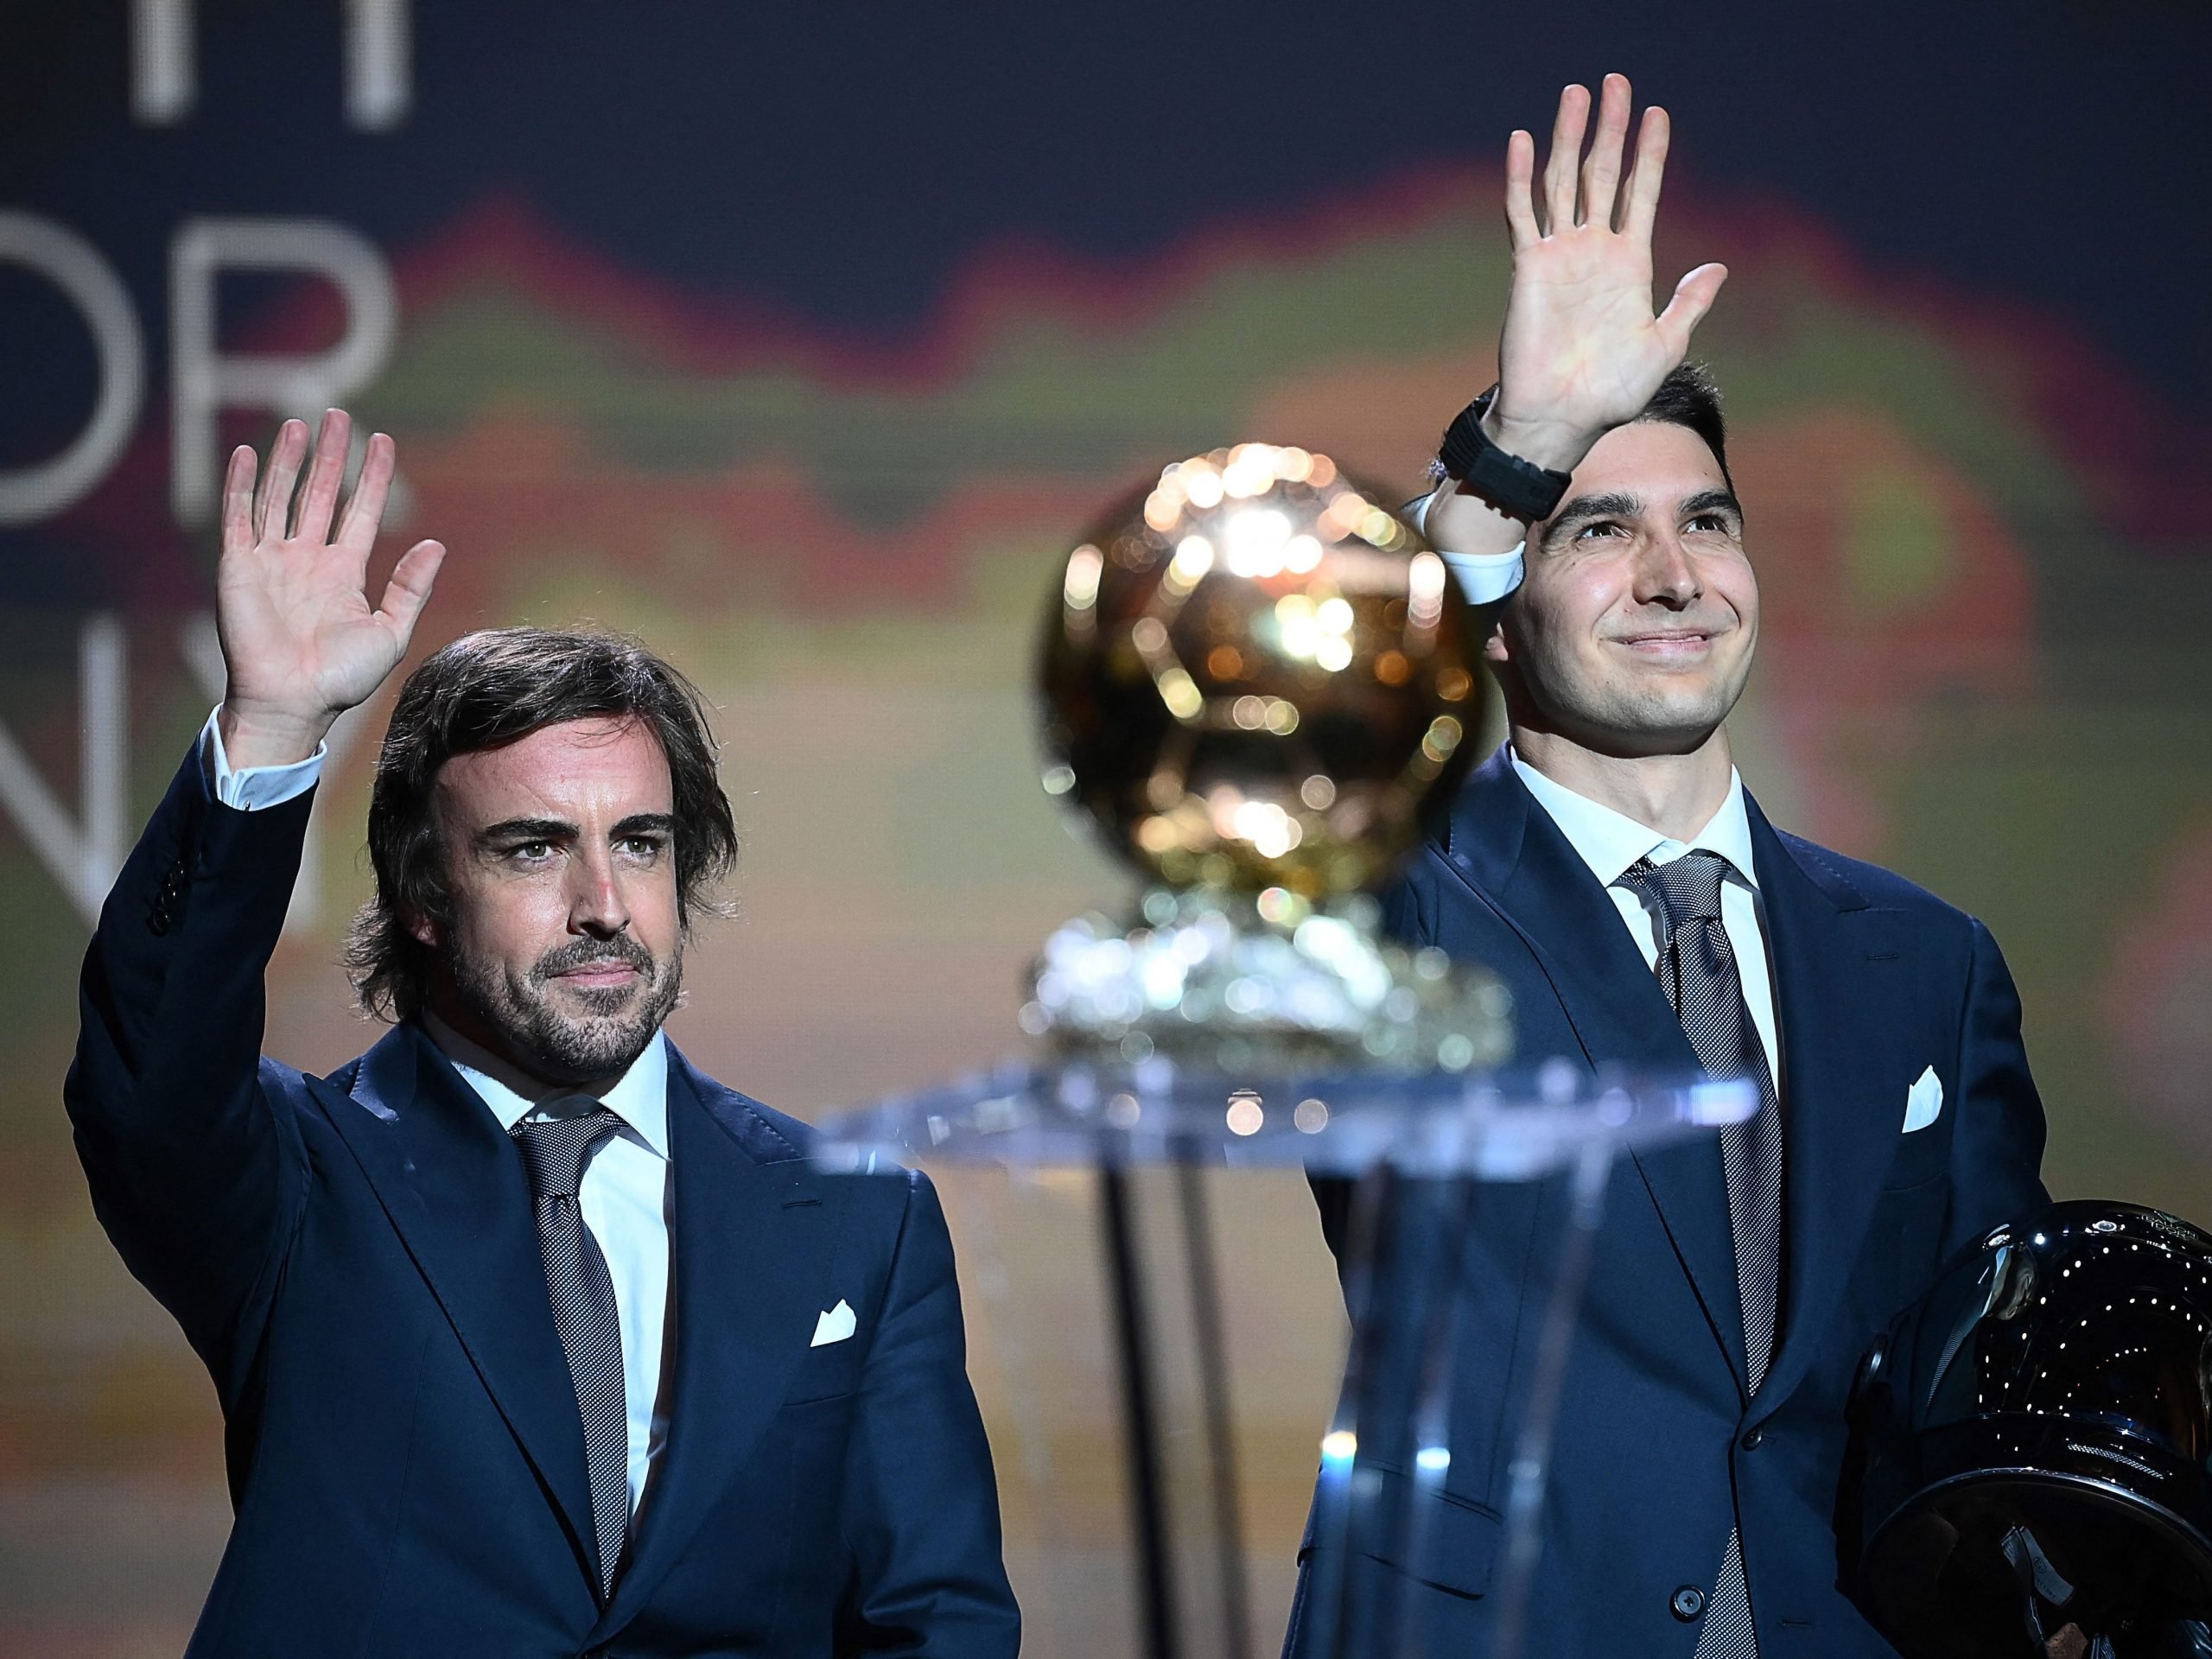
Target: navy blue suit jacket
(355, 1259)
(1658, 1448)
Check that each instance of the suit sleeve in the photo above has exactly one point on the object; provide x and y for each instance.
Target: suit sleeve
(1997, 1144)
(921, 1503)
(195, 1172)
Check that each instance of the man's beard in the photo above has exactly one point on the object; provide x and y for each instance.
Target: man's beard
(618, 1021)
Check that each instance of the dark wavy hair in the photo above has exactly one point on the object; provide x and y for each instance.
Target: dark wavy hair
(484, 692)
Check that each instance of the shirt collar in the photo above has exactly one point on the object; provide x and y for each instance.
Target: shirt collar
(639, 1097)
(1609, 841)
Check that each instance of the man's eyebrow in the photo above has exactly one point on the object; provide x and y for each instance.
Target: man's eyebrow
(646, 823)
(1584, 508)
(1706, 500)
(526, 829)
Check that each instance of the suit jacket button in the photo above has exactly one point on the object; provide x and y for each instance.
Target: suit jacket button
(1753, 1439)
(1687, 1602)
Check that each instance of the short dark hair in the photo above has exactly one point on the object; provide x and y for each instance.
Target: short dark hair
(486, 690)
(1688, 396)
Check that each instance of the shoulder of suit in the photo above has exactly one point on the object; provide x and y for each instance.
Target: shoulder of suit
(1871, 884)
(279, 1080)
(780, 1135)
(341, 1079)
(770, 1136)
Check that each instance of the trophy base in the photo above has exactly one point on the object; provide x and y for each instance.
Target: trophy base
(1262, 984)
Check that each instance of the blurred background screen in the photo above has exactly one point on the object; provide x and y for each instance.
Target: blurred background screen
(800, 339)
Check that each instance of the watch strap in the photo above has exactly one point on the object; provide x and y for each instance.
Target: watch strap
(1511, 485)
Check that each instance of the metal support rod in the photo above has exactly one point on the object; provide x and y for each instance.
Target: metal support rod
(1133, 1339)
(1213, 1383)
(1524, 1501)
(1430, 1418)
(1326, 1598)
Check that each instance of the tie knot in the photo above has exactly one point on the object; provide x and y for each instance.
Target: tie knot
(556, 1149)
(1687, 887)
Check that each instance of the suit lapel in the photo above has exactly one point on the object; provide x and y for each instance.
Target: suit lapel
(450, 1180)
(1521, 864)
(750, 1267)
(1836, 1000)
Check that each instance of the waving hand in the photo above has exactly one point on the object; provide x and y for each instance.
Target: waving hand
(301, 642)
(1583, 349)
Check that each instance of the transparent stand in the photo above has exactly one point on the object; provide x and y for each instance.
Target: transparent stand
(1416, 1160)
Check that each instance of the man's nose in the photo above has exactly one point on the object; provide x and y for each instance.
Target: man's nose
(1664, 573)
(596, 906)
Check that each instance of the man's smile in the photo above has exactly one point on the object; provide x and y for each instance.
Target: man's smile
(1668, 645)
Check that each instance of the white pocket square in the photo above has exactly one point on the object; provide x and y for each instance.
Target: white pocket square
(1923, 1102)
(833, 1326)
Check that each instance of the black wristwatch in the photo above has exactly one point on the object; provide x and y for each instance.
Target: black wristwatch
(1507, 482)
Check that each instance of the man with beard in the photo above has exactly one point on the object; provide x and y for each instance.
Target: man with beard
(531, 1338)
(1609, 865)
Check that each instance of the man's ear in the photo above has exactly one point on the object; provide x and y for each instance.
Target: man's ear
(421, 928)
(1496, 648)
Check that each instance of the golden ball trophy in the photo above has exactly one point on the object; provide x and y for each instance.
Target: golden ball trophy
(1252, 677)
(1254, 682)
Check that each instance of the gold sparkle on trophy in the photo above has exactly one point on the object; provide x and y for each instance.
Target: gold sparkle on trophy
(1253, 677)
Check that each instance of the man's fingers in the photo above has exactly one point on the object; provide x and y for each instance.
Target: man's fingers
(1602, 172)
(1520, 175)
(357, 531)
(272, 511)
(1693, 297)
(238, 500)
(1642, 207)
(409, 590)
(1559, 168)
(326, 476)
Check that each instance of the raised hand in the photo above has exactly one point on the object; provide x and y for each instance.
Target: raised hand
(1582, 351)
(300, 643)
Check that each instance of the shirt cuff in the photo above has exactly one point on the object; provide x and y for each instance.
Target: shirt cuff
(1485, 578)
(255, 789)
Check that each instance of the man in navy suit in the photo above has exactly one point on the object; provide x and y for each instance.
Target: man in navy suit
(1609, 865)
(531, 1338)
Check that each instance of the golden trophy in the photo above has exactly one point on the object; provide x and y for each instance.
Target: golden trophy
(1253, 676)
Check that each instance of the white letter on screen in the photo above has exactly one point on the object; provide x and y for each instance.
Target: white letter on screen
(379, 88)
(205, 382)
(71, 264)
(165, 75)
(84, 854)
(164, 83)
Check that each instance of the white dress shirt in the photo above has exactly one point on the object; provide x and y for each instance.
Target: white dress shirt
(1485, 578)
(254, 789)
(1609, 842)
(625, 1197)
(625, 1193)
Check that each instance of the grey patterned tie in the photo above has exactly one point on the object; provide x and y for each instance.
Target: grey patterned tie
(555, 1151)
(1698, 969)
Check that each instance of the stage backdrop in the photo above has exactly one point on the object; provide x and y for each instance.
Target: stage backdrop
(799, 339)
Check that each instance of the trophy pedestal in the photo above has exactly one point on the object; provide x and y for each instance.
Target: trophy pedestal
(1414, 1166)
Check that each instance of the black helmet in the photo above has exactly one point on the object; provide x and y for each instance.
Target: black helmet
(2032, 1443)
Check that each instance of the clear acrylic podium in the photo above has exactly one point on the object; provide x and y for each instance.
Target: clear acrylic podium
(1438, 1147)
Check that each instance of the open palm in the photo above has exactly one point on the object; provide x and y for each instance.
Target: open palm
(301, 642)
(1583, 350)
